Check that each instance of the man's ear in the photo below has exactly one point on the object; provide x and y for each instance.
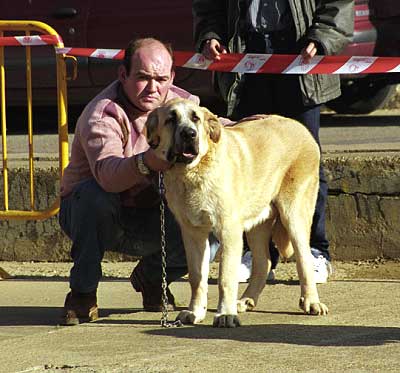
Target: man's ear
(212, 125)
(122, 73)
(151, 129)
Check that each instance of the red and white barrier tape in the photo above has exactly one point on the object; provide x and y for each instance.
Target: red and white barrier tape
(234, 62)
(29, 40)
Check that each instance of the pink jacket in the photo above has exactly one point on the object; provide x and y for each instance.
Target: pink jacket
(108, 133)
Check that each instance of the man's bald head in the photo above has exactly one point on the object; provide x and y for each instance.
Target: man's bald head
(137, 44)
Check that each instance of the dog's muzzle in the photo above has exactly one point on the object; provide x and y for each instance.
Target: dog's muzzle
(186, 144)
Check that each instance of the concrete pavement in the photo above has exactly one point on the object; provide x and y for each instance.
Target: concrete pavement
(378, 132)
(361, 333)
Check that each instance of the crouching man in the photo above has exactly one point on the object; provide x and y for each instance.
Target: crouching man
(108, 197)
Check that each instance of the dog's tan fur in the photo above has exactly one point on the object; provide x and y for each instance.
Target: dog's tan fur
(258, 177)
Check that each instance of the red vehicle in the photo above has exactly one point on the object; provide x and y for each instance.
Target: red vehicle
(376, 33)
(101, 24)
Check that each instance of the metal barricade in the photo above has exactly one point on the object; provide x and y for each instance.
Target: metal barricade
(38, 28)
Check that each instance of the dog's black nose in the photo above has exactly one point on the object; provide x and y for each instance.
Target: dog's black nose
(188, 133)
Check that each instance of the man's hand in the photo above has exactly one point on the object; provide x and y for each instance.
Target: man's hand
(309, 52)
(154, 163)
(212, 50)
(253, 117)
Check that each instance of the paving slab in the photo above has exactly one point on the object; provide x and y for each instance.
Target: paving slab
(360, 334)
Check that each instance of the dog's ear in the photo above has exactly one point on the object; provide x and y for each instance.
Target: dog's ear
(151, 129)
(212, 125)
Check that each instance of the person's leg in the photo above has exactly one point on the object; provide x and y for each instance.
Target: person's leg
(86, 221)
(95, 221)
(89, 217)
(256, 97)
(288, 91)
(310, 117)
(149, 236)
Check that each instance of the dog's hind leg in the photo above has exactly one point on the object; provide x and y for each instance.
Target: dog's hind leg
(198, 257)
(296, 216)
(258, 239)
(309, 300)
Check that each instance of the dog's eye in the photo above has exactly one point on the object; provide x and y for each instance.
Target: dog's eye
(171, 117)
(195, 118)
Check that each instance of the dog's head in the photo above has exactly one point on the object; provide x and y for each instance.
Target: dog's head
(180, 131)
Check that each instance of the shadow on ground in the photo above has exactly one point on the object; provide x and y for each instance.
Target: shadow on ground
(50, 316)
(293, 334)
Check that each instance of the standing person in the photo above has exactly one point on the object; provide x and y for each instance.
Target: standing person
(306, 27)
(108, 198)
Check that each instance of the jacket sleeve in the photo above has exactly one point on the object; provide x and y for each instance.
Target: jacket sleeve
(102, 141)
(333, 25)
(209, 21)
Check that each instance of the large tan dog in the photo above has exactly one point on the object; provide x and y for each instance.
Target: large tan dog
(258, 177)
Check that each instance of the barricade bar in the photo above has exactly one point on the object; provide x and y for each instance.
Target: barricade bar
(50, 37)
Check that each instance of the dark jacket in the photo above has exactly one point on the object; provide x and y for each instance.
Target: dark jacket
(329, 23)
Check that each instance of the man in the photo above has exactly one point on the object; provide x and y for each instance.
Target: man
(307, 27)
(108, 198)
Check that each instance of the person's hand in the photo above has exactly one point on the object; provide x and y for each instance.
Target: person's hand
(253, 117)
(155, 163)
(213, 49)
(308, 52)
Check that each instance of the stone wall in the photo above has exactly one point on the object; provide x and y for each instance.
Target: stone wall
(363, 212)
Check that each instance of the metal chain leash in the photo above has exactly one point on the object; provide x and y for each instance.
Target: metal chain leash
(164, 284)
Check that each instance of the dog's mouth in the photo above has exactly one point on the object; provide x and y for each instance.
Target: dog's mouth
(185, 146)
(186, 153)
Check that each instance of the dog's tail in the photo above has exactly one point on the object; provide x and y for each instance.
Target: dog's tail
(281, 238)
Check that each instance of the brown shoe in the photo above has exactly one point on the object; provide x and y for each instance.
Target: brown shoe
(79, 308)
(152, 294)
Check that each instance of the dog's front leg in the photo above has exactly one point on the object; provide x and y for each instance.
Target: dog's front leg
(198, 259)
(232, 246)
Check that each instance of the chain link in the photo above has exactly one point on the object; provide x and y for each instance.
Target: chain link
(164, 284)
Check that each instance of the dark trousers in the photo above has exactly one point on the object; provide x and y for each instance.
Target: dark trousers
(96, 221)
(281, 94)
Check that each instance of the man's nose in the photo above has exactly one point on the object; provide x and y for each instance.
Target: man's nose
(152, 85)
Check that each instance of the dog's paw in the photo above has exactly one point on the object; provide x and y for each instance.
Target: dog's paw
(226, 321)
(316, 309)
(189, 317)
(245, 304)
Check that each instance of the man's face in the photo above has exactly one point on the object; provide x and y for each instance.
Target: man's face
(150, 77)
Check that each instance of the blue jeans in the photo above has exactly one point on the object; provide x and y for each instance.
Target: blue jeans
(281, 94)
(96, 221)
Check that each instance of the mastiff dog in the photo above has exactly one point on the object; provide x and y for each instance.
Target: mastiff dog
(259, 177)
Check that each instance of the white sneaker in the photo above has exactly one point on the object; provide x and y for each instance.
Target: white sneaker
(322, 269)
(245, 269)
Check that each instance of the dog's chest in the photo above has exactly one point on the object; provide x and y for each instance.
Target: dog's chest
(190, 201)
